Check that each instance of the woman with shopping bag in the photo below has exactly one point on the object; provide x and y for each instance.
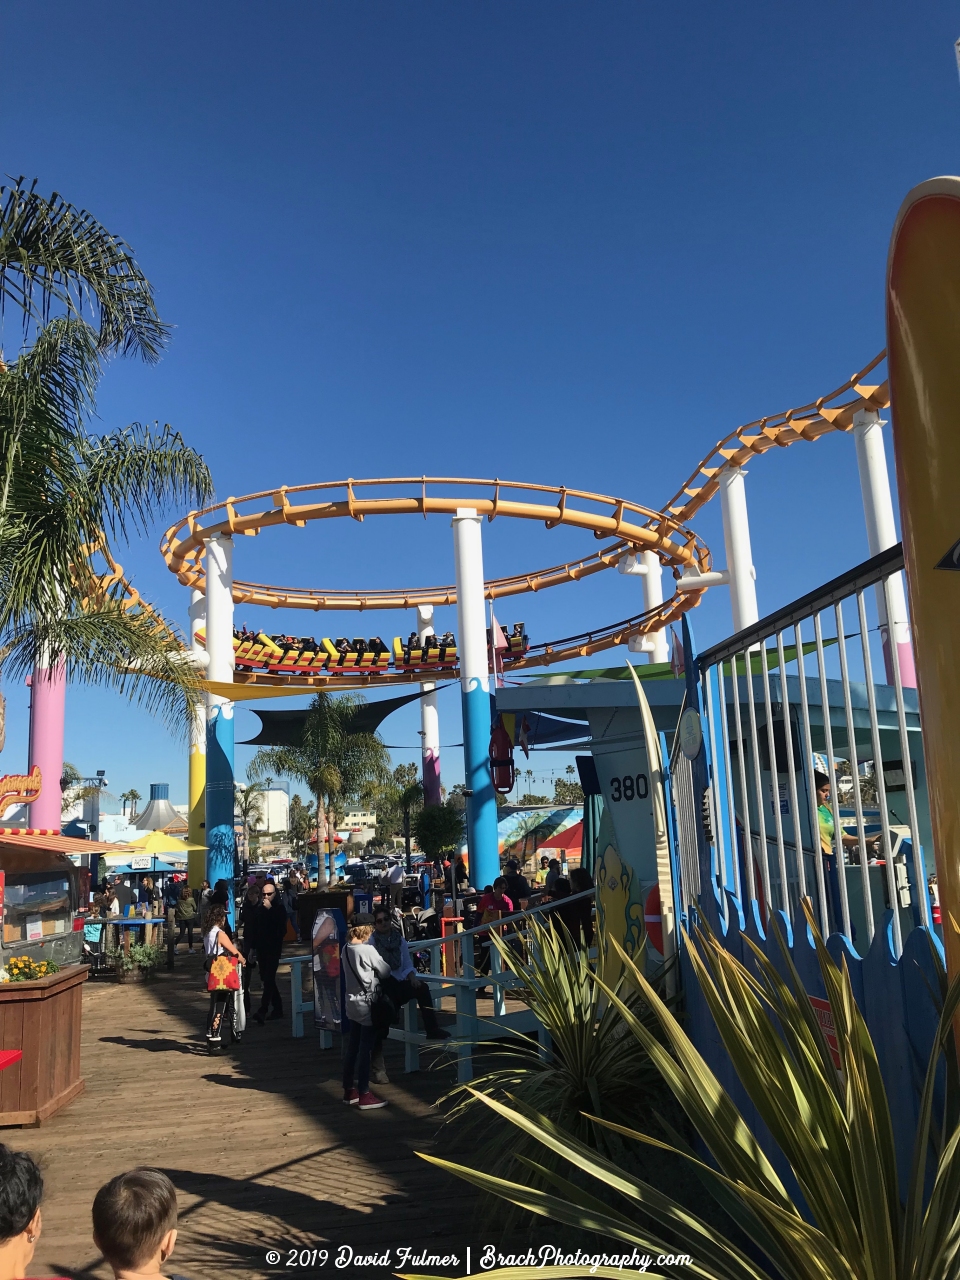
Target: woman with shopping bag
(224, 980)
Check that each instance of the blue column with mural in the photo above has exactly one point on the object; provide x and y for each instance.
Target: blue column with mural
(221, 840)
(482, 837)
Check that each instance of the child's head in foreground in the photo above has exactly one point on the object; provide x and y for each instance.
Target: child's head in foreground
(21, 1190)
(135, 1220)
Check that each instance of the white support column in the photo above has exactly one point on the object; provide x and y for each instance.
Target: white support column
(221, 842)
(646, 566)
(736, 537)
(882, 534)
(429, 717)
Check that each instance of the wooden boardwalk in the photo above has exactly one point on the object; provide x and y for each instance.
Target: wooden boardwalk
(262, 1151)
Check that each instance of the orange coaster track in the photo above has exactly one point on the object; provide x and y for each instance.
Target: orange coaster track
(631, 526)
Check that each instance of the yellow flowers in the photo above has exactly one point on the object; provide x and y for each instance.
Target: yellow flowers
(25, 969)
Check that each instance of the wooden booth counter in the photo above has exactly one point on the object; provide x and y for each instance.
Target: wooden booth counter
(41, 1018)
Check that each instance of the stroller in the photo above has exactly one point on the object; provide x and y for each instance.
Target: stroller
(420, 924)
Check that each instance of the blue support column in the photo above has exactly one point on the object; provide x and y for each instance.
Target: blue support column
(482, 838)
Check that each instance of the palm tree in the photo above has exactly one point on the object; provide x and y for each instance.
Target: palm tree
(131, 797)
(334, 760)
(65, 493)
(74, 788)
(248, 802)
(302, 821)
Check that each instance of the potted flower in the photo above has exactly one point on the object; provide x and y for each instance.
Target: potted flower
(26, 969)
(137, 964)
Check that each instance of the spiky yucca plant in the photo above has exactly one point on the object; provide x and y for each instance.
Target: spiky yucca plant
(833, 1128)
(596, 1071)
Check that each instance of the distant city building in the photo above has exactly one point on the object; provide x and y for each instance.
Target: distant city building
(274, 809)
(358, 826)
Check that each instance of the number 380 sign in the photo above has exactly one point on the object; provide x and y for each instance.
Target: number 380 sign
(629, 787)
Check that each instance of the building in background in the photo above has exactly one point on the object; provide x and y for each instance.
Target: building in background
(160, 815)
(358, 826)
(274, 809)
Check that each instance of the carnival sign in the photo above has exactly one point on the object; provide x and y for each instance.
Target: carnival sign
(19, 788)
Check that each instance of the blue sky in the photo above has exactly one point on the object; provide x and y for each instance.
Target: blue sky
(573, 243)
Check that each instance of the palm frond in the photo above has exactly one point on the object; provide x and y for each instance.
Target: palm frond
(108, 646)
(131, 473)
(51, 251)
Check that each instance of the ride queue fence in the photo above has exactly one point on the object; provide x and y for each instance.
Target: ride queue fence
(456, 953)
(796, 694)
(799, 692)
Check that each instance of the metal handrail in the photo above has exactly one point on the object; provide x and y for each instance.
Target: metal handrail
(497, 924)
(861, 576)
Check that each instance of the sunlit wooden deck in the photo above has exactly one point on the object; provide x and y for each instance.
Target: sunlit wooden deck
(262, 1151)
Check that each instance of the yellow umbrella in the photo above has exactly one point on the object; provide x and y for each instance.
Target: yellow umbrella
(160, 842)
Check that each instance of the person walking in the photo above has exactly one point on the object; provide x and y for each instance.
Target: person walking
(202, 899)
(145, 893)
(363, 968)
(248, 928)
(291, 889)
(217, 942)
(185, 915)
(269, 928)
(393, 879)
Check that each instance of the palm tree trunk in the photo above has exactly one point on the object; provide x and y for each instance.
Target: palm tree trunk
(331, 833)
(322, 876)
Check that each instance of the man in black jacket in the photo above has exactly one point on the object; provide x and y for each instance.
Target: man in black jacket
(518, 890)
(269, 929)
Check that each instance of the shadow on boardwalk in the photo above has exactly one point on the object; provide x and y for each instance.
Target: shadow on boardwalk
(261, 1149)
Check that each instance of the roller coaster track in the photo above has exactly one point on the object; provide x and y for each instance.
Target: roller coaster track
(631, 527)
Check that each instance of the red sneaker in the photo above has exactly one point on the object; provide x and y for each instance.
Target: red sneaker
(370, 1102)
(351, 1097)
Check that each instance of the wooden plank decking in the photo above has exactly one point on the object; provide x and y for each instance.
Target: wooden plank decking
(262, 1151)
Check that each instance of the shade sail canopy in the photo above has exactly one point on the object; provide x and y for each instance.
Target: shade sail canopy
(285, 728)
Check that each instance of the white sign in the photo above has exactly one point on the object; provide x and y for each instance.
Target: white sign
(34, 929)
(141, 862)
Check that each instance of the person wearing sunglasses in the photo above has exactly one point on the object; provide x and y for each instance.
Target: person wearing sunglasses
(269, 930)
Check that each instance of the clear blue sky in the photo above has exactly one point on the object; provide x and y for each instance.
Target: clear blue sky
(574, 243)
